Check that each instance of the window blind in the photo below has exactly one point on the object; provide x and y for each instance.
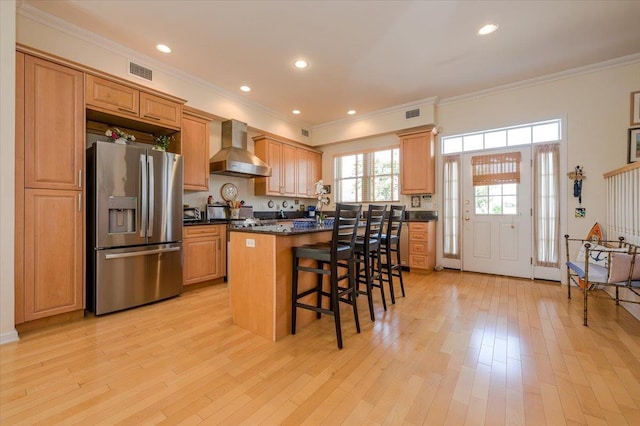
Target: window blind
(496, 169)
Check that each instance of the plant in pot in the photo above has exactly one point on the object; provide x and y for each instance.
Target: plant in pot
(163, 142)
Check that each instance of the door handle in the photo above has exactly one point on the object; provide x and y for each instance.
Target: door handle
(151, 195)
(143, 196)
(466, 218)
(140, 253)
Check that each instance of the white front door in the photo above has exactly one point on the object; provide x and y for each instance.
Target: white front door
(497, 222)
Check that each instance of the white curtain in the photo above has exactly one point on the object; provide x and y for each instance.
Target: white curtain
(546, 205)
(451, 208)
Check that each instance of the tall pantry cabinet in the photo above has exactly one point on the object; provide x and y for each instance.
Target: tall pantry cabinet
(50, 128)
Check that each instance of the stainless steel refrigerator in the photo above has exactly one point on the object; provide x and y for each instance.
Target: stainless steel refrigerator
(134, 222)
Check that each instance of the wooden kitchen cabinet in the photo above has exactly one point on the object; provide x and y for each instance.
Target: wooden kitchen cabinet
(282, 159)
(417, 163)
(127, 101)
(195, 148)
(49, 190)
(54, 247)
(53, 125)
(421, 246)
(204, 253)
(308, 171)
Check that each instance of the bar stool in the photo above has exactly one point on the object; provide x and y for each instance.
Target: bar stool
(390, 249)
(338, 255)
(367, 251)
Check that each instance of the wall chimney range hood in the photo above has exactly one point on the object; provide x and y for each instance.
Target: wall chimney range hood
(234, 159)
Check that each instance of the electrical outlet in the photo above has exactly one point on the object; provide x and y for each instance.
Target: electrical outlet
(250, 242)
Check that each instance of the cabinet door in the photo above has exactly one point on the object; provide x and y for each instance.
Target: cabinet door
(53, 252)
(53, 125)
(161, 111)
(200, 263)
(417, 154)
(274, 159)
(288, 177)
(315, 171)
(195, 153)
(111, 96)
(302, 172)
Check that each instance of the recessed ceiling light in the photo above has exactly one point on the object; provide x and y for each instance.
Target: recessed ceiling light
(245, 88)
(351, 111)
(301, 64)
(163, 48)
(295, 111)
(487, 29)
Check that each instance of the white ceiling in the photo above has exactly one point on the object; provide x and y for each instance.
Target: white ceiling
(364, 55)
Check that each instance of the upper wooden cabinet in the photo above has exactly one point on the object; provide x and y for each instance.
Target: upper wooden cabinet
(282, 159)
(53, 124)
(309, 171)
(125, 101)
(417, 163)
(195, 148)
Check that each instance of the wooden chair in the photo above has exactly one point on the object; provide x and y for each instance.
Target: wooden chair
(390, 249)
(367, 251)
(338, 255)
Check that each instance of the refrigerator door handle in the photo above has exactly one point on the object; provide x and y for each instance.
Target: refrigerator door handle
(143, 195)
(151, 196)
(140, 253)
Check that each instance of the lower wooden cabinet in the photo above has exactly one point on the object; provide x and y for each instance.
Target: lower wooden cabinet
(422, 246)
(53, 252)
(205, 253)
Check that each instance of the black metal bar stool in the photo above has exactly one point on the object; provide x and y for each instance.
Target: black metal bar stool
(367, 251)
(390, 250)
(338, 255)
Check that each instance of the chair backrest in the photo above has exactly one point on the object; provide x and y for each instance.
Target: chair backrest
(394, 224)
(345, 226)
(375, 223)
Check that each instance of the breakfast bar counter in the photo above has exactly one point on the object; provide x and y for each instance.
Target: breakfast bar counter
(259, 277)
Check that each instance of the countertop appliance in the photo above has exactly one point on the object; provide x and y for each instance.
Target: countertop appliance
(134, 217)
(191, 214)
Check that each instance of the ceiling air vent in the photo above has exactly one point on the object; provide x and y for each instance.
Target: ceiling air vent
(140, 71)
(412, 113)
(304, 132)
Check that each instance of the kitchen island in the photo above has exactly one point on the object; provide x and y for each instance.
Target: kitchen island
(259, 277)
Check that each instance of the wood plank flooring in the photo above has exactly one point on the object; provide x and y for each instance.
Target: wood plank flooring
(461, 348)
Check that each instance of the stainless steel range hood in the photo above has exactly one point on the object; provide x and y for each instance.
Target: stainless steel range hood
(234, 159)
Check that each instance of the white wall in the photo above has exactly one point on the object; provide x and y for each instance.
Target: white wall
(596, 107)
(7, 168)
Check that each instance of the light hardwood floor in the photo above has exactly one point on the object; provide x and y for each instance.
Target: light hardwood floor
(461, 348)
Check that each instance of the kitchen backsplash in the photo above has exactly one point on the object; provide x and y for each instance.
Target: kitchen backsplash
(261, 204)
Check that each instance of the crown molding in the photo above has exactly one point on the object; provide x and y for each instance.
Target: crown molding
(65, 27)
(379, 113)
(562, 75)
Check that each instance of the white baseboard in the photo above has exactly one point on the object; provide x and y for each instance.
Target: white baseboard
(8, 337)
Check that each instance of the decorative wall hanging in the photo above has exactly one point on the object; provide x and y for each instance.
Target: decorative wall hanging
(634, 146)
(578, 176)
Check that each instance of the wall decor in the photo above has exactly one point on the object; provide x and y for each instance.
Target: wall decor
(581, 212)
(634, 146)
(635, 108)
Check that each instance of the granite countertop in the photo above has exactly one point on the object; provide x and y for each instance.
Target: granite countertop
(284, 230)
